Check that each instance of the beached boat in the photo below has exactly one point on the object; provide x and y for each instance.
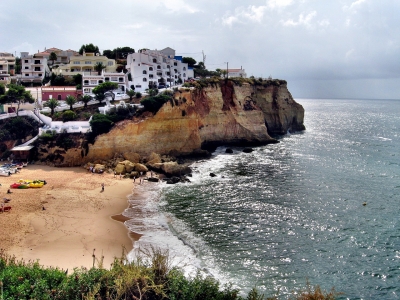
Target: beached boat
(30, 181)
(4, 173)
(19, 186)
(36, 184)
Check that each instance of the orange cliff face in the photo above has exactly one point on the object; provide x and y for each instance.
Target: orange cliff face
(222, 114)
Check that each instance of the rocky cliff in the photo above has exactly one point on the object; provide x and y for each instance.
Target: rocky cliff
(201, 118)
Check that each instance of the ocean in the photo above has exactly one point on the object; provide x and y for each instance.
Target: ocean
(322, 206)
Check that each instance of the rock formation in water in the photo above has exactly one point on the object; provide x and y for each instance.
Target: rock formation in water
(224, 113)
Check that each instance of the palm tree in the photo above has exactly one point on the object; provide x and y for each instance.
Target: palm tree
(131, 94)
(99, 67)
(70, 100)
(85, 100)
(52, 104)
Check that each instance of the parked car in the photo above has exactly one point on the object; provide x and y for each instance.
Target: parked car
(161, 86)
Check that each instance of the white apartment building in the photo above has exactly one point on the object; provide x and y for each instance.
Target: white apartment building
(85, 64)
(237, 73)
(90, 81)
(149, 68)
(34, 68)
(7, 67)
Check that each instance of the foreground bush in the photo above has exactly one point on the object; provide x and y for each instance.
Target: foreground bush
(149, 277)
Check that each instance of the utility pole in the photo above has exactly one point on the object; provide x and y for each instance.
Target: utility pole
(204, 59)
(226, 69)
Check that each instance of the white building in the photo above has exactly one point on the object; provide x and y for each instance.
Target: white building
(7, 67)
(237, 73)
(151, 68)
(90, 81)
(34, 68)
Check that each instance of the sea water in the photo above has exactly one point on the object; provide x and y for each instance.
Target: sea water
(322, 205)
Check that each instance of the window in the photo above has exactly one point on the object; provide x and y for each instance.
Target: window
(88, 70)
(100, 81)
(158, 67)
(115, 79)
(40, 74)
(86, 90)
(154, 60)
(144, 72)
(26, 74)
(133, 59)
(175, 64)
(168, 73)
(59, 97)
(93, 82)
(110, 63)
(107, 79)
(77, 62)
(151, 69)
(37, 61)
(121, 79)
(26, 61)
(37, 68)
(144, 79)
(26, 68)
(151, 76)
(175, 70)
(184, 68)
(88, 62)
(86, 82)
(184, 74)
(168, 66)
(138, 86)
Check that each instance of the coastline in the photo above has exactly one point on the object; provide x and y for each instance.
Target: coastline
(76, 219)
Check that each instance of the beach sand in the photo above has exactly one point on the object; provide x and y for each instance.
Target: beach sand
(77, 217)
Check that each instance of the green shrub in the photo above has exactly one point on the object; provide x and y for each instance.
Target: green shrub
(138, 95)
(68, 115)
(153, 104)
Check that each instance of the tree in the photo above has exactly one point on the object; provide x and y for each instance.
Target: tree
(85, 100)
(77, 78)
(89, 48)
(118, 53)
(189, 60)
(103, 88)
(70, 100)
(52, 104)
(53, 57)
(131, 94)
(2, 89)
(99, 67)
(18, 94)
(200, 66)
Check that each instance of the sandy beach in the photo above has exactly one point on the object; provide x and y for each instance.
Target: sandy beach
(77, 217)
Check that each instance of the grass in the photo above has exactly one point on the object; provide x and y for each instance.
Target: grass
(149, 276)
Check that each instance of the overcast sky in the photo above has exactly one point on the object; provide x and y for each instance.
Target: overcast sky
(323, 48)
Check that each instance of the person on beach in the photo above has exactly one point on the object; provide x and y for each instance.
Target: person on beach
(102, 187)
(134, 179)
(115, 174)
(120, 176)
(9, 191)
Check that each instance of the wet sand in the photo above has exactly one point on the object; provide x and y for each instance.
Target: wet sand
(77, 217)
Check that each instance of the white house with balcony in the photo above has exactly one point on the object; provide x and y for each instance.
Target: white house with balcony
(7, 67)
(85, 64)
(34, 68)
(90, 81)
(151, 68)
